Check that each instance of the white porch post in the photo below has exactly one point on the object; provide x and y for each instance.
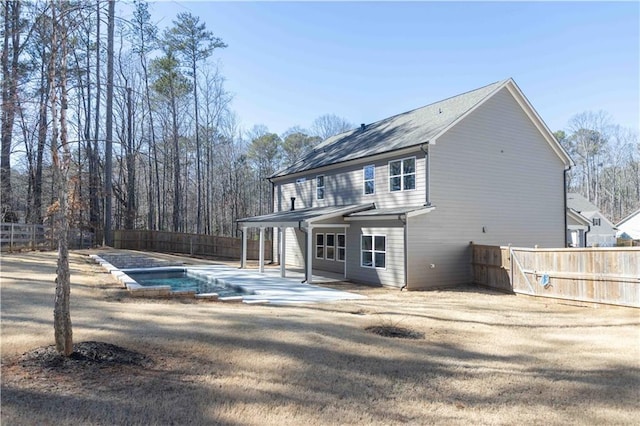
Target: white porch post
(283, 250)
(243, 259)
(261, 264)
(345, 251)
(309, 254)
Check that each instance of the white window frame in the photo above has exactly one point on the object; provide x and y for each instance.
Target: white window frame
(402, 174)
(373, 251)
(342, 248)
(318, 187)
(365, 180)
(327, 246)
(317, 246)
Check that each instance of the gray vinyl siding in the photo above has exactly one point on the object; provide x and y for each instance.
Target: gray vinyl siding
(344, 185)
(295, 247)
(494, 180)
(602, 235)
(393, 274)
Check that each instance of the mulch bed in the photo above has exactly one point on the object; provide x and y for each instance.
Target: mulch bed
(85, 354)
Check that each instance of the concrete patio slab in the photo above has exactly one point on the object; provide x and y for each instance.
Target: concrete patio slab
(270, 287)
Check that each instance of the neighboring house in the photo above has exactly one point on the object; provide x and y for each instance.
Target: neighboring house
(601, 232)
(397, 202)
(631, 225)
(577, 228)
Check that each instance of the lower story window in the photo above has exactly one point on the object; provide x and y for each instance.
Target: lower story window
(319, 246)
(330, 246)
(373, 251)
(342, 245)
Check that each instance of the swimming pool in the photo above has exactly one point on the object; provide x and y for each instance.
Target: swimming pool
(182, 280)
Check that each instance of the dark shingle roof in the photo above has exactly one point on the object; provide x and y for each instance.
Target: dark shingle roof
(400, 131)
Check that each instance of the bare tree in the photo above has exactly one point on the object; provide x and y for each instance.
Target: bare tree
(108, 162)
(328, 125)
(61, 163)
(193, 43)
(10, 73)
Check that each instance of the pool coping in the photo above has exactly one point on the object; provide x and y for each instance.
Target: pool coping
(139, 290)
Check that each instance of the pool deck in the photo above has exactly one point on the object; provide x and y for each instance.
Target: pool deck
(268, 287)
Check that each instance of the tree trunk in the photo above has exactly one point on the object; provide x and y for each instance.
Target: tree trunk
(130, 214)
(177, 195)
(9, 93)
(61, 314)
(94, 177)
(108, 162)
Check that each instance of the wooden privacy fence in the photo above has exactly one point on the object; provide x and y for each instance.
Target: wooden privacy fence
(602, 274)
(193, 244)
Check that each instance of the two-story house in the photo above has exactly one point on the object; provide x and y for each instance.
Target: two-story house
(600, 231)
(398, 201)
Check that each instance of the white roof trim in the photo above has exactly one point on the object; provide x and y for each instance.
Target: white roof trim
(631, 216)
(578, 217)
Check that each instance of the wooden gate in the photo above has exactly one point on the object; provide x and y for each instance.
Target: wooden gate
(603, 274)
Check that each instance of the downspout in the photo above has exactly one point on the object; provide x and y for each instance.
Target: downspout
(564, 185)
(427, 182)
(406, 232)
(585, 234)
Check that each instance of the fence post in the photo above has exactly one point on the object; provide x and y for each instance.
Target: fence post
(11, 239)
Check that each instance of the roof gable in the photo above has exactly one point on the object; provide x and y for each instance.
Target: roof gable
(413, 128)
(579, 203)
(631, 217)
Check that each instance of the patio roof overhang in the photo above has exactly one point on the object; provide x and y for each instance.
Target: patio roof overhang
(394, 213)
(302, 218)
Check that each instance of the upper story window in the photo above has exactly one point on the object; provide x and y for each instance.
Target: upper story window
(320, 187)
(369, 175)
(596, 221)
(402, 174)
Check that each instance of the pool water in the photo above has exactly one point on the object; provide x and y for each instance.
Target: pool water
(182, 281)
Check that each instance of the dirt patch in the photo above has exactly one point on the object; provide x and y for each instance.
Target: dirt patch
(395, 331)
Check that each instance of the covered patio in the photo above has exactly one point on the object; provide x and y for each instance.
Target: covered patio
(305, 220)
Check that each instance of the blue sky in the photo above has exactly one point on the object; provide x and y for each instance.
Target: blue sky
(288, 63)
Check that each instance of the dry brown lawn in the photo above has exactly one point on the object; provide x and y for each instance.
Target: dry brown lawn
(485, 358)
